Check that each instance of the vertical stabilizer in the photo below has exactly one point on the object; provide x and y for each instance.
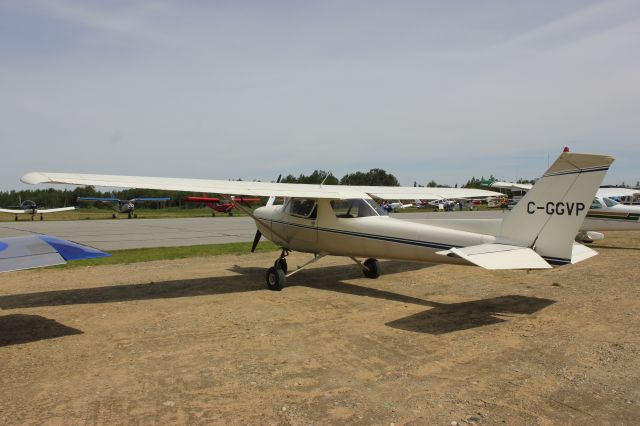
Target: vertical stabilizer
(547, 219)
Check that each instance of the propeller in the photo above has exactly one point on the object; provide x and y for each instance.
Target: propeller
(256, 239)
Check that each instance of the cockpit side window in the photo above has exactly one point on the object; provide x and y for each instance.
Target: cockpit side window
(609, 202)
(596, 204)
(353, 208)
(302, 207)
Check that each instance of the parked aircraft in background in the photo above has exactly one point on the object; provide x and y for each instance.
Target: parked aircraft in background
(35, 251)
(219, 205)
(344, 221)
(397, 205)
(606, 214)
(32, 208)
(627, 196)
(123, 206)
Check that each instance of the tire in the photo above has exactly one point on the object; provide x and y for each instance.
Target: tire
(113, 216)
(373, 268)
(275, 279)
(230, 214)
(281, 264)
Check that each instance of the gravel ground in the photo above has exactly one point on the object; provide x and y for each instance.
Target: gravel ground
(201, 341)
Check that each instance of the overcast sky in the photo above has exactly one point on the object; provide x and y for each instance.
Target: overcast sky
(250, 89)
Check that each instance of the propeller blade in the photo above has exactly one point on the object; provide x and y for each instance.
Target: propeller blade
(272, 199)
(256, 239)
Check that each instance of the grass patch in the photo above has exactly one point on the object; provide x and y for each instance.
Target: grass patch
(168, 253)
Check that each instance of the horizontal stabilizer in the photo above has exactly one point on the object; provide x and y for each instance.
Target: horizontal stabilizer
(581, 252)
(499, 256)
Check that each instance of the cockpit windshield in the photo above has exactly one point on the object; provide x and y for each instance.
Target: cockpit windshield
(609, 202)
(352, 208)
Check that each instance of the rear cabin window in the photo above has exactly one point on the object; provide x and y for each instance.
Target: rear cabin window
(596, 204)
(302, 207)
(354, 208)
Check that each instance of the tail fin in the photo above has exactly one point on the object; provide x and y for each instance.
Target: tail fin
(547, 219)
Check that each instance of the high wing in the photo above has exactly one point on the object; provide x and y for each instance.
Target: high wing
(260, 189)
(617, 192)
(60, 209)
(512, 186)
(133, 200)
(14, 211)
(202, 199)
(106, 199)
(35, 251)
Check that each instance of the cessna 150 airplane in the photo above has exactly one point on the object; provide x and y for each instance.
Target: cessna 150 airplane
(343, 220)
(123, 206)
(33, 209)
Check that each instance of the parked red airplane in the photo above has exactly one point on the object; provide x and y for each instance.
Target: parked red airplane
(221, 206)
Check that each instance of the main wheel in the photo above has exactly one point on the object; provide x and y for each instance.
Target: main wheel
(275, 279)
(41, 218)
(113, 216)
(230, 213)
(281, 263)
(373, 268)
(129, 215)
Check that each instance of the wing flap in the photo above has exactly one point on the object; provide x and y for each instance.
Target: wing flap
(499, 256)
(581, 252)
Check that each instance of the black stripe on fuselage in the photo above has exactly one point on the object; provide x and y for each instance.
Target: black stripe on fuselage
(407, 241)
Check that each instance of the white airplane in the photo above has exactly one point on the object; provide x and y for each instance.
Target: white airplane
(399, 205)
(605, 213)
(343, 220)
(33, 209)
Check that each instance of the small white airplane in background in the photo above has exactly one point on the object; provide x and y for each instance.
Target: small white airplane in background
(344, 221)
(605, 213)
(32, 208)
(397, 205)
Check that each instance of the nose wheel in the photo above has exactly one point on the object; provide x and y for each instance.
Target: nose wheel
(278, 273)
(275, 279)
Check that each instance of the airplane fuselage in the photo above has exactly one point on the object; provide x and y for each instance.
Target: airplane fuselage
(372, 236)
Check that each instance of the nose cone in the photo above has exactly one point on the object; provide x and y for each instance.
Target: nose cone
(266, 212)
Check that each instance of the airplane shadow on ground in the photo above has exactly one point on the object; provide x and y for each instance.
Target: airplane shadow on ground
(20, 328)
(441, 318)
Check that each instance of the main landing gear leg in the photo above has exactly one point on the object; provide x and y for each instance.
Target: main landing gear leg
(277, 274)
(370, 267)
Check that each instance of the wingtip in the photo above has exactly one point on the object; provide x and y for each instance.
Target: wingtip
(33, 178)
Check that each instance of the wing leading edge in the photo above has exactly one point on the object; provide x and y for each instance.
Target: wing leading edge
(259, 189)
